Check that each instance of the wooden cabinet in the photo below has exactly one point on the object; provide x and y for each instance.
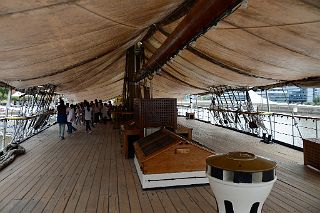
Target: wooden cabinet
(311, 150)
(129, 136)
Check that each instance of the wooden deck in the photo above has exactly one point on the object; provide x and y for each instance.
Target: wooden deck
(87, 173)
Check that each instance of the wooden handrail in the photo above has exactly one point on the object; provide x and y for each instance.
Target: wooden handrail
(255, 113)
(15, 118)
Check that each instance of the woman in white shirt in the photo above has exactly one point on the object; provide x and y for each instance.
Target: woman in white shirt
(88, 117)
(71, 118)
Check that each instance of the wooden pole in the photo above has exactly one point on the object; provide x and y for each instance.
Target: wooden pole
(131, 88)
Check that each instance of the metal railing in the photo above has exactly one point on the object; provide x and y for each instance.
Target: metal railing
(16, 129)
(287, 129)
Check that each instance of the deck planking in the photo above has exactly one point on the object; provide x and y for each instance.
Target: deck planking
(88, 173)
(297, 188)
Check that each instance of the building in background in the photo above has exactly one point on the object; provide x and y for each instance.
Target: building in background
(293, 94)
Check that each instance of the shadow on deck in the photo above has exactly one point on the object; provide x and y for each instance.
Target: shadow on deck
(87, 173)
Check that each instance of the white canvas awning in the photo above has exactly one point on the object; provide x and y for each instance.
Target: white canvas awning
(80, 46)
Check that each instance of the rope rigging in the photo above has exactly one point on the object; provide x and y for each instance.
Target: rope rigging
(33, 116)
(233, 108)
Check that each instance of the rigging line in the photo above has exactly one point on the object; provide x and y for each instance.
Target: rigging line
(227, 48)
(202, 77)
(37, 8)
(133, 37)
(286, 83)
(222, 120)
(313, 3)
(229, 115)
(94, 67)
(197, 67)
(294, 119)
(167, 64)
(212, 107)
(190, 85)
(272, 42)
(267, 26)
(226, 66)
(81, 51)
(100, 29)
(101, 16)
(238, 121)
(101, 87)
(182, 9)
(219, 63)
(166, 91)
(73, 65)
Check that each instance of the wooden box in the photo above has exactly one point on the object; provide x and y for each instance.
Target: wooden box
(184, 132)
(190, 115)
(130, 134)
(311, 150)
(166, 159)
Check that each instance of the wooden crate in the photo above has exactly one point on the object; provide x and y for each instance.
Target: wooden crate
(311, 150)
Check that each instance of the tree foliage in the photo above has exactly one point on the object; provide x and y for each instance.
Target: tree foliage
(316, 100)
(3, 93)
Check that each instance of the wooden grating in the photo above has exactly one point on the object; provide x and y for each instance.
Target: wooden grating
(157, 141)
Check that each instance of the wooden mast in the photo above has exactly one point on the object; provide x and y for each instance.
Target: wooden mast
(131, 89)
(200, 18)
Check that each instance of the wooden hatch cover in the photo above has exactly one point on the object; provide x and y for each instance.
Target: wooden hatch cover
(166, 152)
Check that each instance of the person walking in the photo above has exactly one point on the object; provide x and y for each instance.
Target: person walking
(71, 119)
(88, 117)
(61, 118)
(104, 112)
(110, 109)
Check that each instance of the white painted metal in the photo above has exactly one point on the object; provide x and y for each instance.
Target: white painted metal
(5, 123)
(170, 179)
(149, 131)
(241, 195)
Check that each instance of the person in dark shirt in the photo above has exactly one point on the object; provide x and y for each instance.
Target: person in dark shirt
(61, 118)
(110, 109)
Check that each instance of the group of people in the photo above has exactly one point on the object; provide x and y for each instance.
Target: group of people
(85, 113)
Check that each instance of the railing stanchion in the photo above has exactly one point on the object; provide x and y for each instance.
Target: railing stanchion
(274, 126)
(282, 135)
(317, 129)
(4, 133)
(292, 123)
